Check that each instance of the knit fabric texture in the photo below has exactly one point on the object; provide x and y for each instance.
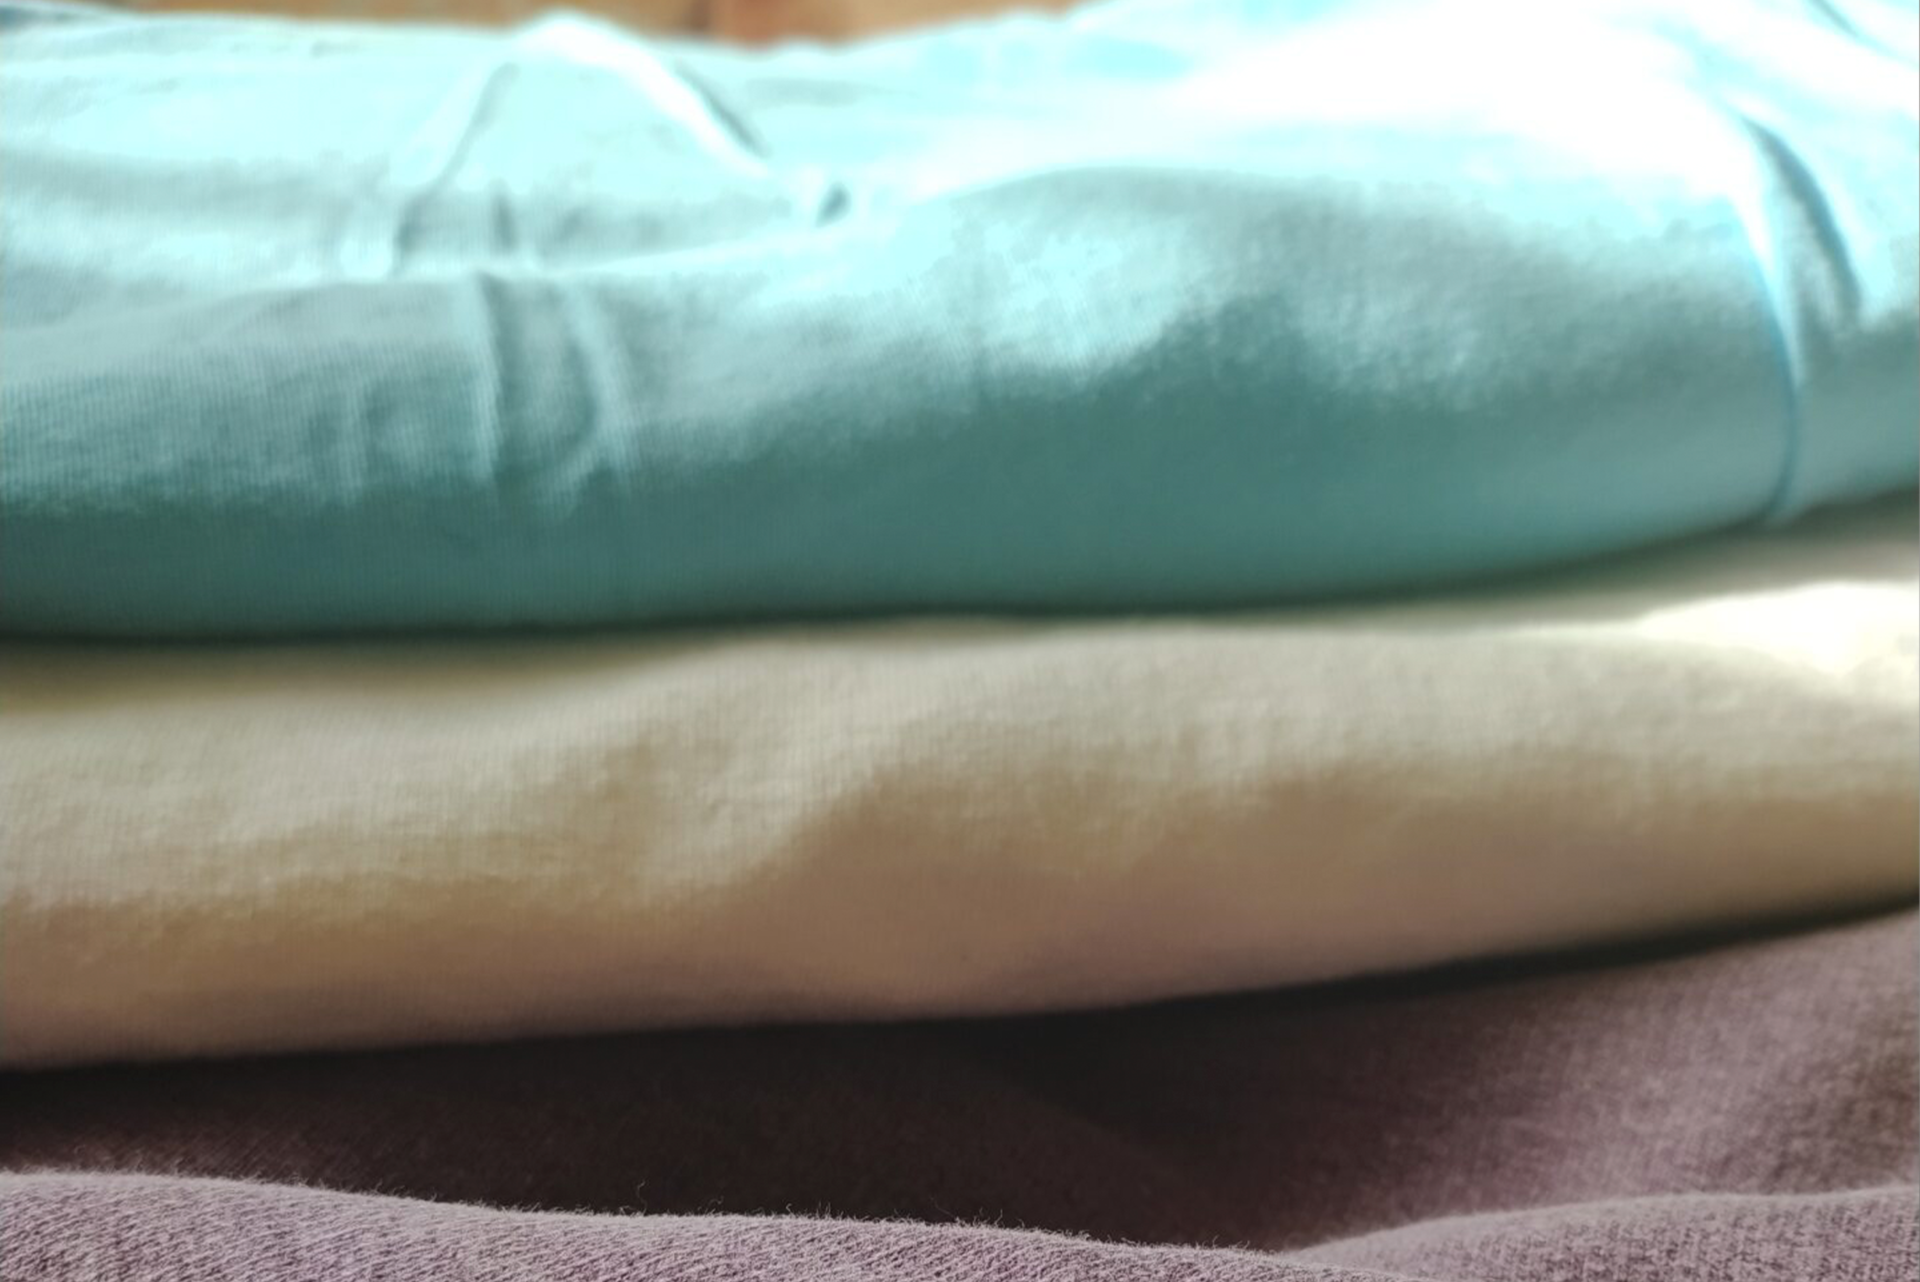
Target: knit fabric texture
(1149, 305)
(1741, 1113)
(228, 849)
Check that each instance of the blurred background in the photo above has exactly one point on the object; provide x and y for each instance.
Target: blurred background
(751, 21)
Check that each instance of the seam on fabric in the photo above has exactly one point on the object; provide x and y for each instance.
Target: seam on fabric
(722, 133)
(1781, 502)
(593, 44)
(1761, 254)
(376, 238)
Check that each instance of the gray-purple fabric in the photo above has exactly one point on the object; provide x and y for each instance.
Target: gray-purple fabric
(1740, 1112)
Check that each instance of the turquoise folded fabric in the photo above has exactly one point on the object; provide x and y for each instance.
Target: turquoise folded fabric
(1161, 304)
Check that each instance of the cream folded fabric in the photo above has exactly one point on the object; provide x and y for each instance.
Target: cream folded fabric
(215, 850)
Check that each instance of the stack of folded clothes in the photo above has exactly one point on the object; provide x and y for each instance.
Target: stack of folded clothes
(1189, 639)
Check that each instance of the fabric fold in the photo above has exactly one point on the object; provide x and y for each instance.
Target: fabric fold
(1742, 1110)
(59, 1227)
(1145, 307)
(222, 849)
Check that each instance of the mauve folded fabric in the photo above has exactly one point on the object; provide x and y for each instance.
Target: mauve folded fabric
(109, 1229)
(213, 850)
(1151, 305)
(1739, 1113)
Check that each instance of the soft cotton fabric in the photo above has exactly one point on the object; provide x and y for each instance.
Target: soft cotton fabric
(329, 328)
(58, 1227)
(1744, 1112)
(221, 849)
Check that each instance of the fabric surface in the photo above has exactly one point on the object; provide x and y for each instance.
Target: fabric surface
(130, 1230)
(1152, 305)
(1741, 1112)
(221, 849)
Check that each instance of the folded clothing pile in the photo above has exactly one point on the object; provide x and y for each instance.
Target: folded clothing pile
(542, 532)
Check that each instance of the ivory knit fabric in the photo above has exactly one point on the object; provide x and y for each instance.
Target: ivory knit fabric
(232, 849)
